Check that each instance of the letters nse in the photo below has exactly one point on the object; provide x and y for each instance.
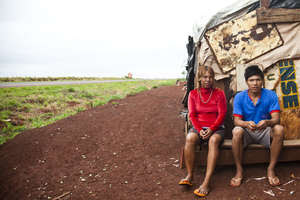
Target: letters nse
(288, 85)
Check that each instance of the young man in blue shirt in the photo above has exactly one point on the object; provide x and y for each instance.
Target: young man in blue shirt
(256, 114)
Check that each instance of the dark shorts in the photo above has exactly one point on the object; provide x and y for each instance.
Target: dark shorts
(220, 131)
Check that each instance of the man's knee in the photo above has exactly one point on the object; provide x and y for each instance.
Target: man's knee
(278, 131)
(237, 133)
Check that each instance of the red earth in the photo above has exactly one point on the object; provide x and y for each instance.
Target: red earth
(127, 149)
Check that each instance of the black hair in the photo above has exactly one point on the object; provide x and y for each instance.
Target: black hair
(253, 70)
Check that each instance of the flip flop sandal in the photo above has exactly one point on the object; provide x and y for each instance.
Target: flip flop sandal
(274, 181)
(185, 182)
(200, 192)
(236, 182)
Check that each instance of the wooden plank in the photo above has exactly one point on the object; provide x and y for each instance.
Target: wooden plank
(291, 143)
(286, 144)
(181, 160)
(250, 156)
(277, 15)
(264, 3)
(253, 154)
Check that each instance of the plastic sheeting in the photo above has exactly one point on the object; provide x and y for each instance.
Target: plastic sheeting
(239, 8)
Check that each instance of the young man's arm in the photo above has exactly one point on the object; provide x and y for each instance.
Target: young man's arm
(238, 113)
(275, 119)
(238, 121)
(274, 110)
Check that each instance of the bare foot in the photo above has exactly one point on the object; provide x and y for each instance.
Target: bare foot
(272, 178)
(236, 181)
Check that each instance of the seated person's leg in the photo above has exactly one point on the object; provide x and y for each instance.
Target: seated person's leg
(277, 140)
(192, 139)
(237, 149)
(212, 156)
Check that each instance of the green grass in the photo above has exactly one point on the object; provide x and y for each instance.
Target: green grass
(23, 108)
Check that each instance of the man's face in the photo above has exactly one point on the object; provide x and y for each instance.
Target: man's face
(254, 83)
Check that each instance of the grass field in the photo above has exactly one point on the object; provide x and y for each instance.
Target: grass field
(25, 108)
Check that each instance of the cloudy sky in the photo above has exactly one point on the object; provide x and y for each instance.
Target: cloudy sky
(99, 38)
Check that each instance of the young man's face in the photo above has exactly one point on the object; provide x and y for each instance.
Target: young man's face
(254, 83)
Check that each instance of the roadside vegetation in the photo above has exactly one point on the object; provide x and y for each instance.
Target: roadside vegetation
(69, 78)
(23, 108)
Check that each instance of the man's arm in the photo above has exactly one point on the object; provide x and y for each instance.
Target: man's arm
(274, 110)
(238, 121)
(238, 113)
(275, 119)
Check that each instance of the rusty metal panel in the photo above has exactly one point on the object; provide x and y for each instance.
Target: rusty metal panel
(241, 40)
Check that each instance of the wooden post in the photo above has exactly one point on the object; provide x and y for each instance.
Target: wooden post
(181, 160)
(264, 3)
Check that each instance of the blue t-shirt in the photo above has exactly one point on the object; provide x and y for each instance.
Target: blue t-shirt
(267, 103)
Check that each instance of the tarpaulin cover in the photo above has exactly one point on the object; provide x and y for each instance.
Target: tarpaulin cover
(241, 7)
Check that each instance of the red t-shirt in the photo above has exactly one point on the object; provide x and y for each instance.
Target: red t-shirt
(210, 114)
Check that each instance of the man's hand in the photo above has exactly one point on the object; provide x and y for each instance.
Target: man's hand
(251, 125)
(205, 133)
(262, 124)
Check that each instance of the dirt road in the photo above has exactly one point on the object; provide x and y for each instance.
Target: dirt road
(128, 149)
